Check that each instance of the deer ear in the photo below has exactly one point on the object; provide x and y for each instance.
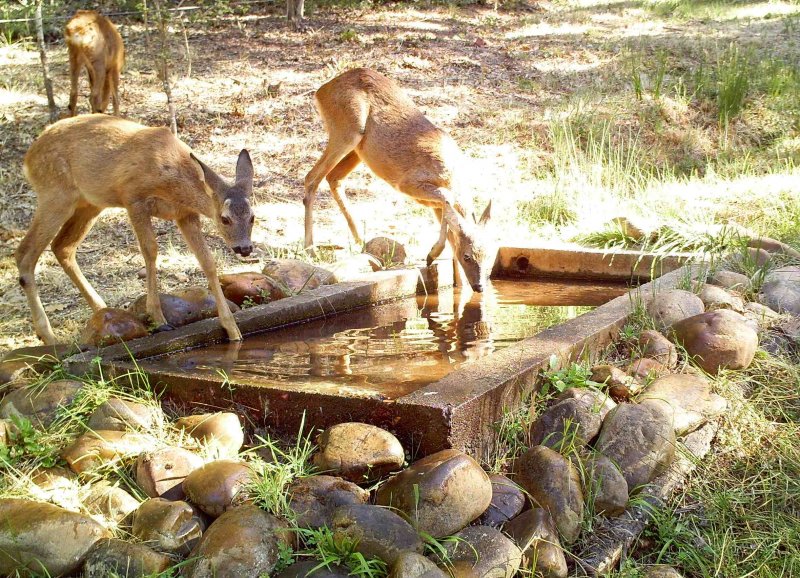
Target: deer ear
(487, 214)
(212, 179)
(244, 172)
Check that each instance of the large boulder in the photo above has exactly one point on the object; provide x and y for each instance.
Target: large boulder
(687, 398)
(160, 473)
(640, 440)
(481, 552)
(672, 306)
(376, 532)
(314, 499)
(440, 493)
(535, 533)
(781, 290)
(243, 542)
(123, 559)
(108, 326)
(717, 339)
(97, 448)
(358, 452)
(167, 526)
(40, 406)
(182, 307)
(221, 430)
(218, 485)
(554, 483)
(508, 500)
(44, 539)
(292, 276)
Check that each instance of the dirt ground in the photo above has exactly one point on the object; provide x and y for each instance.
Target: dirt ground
(493, 79)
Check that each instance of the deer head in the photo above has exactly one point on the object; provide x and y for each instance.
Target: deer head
(234, 217)
(474, 249)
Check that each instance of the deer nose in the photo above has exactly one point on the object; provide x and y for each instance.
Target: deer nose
(477, 287)
(243, 250)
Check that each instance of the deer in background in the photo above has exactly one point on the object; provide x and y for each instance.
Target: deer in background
(369, 119)
(80, 166)
(94, 43)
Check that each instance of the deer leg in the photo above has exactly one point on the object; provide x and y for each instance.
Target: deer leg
(339, 172)
(44, 227)
(108, 87)
(114, 76)
(193, 234)
(74, 73)
(438, 246)
(65, 245)
(143, 227)
(98, 88)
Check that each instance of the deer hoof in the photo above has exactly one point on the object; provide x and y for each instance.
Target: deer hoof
(162, 328)
(429, 260)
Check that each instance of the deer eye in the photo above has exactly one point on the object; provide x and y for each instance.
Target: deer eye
(225, 221)
(467, 258)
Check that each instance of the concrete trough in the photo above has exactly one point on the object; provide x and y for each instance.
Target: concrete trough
(457, 411)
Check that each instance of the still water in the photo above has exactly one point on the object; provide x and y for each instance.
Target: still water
(390, 350)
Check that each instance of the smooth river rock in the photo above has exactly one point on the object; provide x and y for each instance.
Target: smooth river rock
(413, 565)
(98, 448)
(249, 288)
(377, 532)
(565, 426)
(182, 307)
(221, 430)
(122, 414)
(167, 526)
(730, 280)
(310, 569)
(714, 297)
(441, 493)
(688, 398)
(508, 500)
(673, 305)
(389, 252)
(44, 538)
(291, 276)
(243, 542)
(656, 346)
(161, 473)
(111, 502)
(40, 405)
(717, 339)
(314, 499)
(109, 326)
(481, 552)
(535, 533)
(122, 559)
(607, 491)
(218, 485)
(358, 452)
(781, 290)
(554, 483)
(640, 439)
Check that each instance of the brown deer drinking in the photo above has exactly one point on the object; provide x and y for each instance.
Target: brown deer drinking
(94, 44)
(369, 119)
(80, 166)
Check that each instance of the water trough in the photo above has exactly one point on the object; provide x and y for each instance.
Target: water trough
(455, 410)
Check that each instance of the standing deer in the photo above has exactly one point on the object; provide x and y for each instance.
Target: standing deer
(82, 165)
(94, 43)
(369, 119)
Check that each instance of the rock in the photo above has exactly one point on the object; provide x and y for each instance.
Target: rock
(377, 532)
(553, 483)
(661, 571)
(160, 473)
(57, 485)
(120, 559)
(413, 565)
(243, 542)
(640, 440)
(222, 430)
(441, 493)
(37, 359)
(781, 290)
(535, 533)
(772, 246)
(40, 406)
(291, 276)
(388, 252)
(310, 569)
(590, 398)
(97, 448)
(314, 499)
(108, 326)
(358, 452)
(111, 502)
(181, 307)
(251, 288)
(672, 306)
(717, 339)
(655, 346)
(687, 398)
(120, 415)
(166, 526)
(566, 426)
(758, 257)
(607, 491)
(482, 552)
(714, 297)
(218, 485)
(730, 280)
(609, 375)
(761, 314)
(44, 538)
(645, 368)
(355, 267)
(507, 501)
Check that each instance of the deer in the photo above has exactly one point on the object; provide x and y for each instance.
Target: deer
(94, 43)
(369, 119)
(84, 164)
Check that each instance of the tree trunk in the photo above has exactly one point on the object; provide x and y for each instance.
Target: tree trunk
(48, 83)
(163, 60)
(294, 12)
